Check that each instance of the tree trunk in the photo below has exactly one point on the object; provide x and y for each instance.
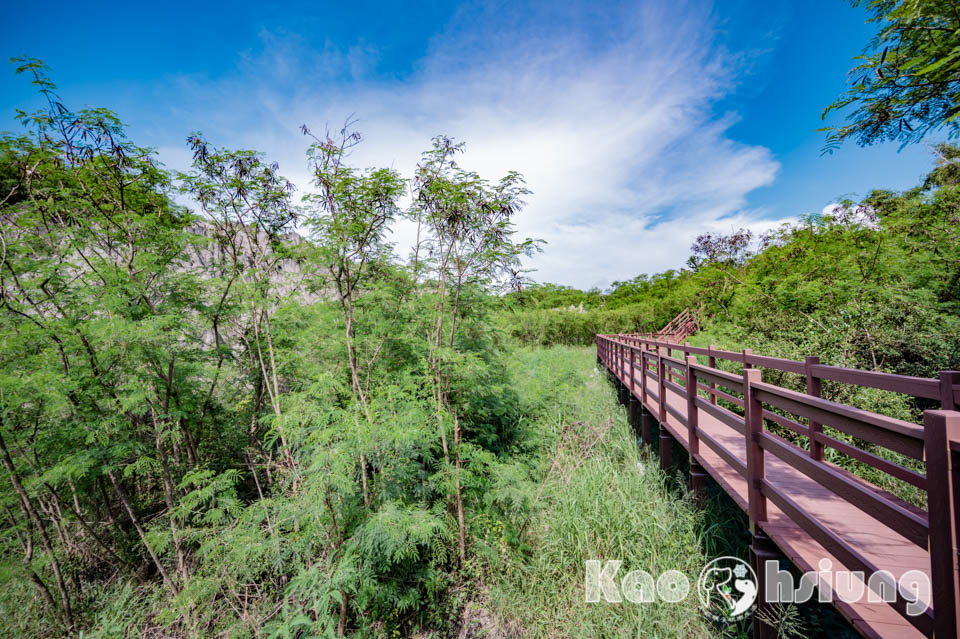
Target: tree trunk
(140, 531)
(462, 527)
(26, 505)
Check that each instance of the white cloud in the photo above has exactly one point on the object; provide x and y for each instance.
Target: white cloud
(617, 138)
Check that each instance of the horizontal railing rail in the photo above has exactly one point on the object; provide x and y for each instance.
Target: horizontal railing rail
(921, 387)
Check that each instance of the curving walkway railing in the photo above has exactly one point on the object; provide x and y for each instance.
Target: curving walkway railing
(676, 331)
(765, 446)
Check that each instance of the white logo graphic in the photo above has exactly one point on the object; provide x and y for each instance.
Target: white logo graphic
(727, 588)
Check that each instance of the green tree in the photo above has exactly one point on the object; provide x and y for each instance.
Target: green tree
(94, 314)
(464, 240)
(354, 212)
(907, 82)
(246, 209)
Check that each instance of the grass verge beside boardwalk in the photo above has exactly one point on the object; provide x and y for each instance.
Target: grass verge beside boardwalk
(596, 498)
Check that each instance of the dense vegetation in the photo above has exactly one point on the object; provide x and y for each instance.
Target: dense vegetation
(250, 417)
(213, 426)
(585, 507)
(210, 426)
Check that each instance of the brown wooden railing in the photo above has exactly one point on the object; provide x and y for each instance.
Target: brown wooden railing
(725, 427)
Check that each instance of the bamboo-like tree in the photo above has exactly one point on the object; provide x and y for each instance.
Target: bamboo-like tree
(465, 239)
(248, 205)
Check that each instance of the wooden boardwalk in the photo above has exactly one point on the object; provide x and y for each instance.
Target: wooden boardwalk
(814, 510)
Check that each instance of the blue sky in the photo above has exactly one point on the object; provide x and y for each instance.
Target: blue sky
(638, 125)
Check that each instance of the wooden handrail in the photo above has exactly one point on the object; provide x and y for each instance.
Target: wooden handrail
(921, 387)
(936, 444)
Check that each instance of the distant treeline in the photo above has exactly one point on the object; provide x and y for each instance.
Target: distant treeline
(873, 284)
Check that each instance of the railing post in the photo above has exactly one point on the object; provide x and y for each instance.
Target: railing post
(692, 417)
(666, 439)
(616, 379)
(643, 376)
(753, 419)
(632, 396)
(661, 390)
(762, 548)
(947, 380)
(624, 393)
(712, 363)
(645, 417)
(623, 360)
(814, 388)
(941, 427)
(698, 478)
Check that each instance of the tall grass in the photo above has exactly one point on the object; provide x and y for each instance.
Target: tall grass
(601, 498)
(598, 499)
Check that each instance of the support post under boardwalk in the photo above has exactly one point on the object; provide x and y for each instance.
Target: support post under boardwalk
(666, 449)
(634, 408)
(698, 478)
(698, 481)
(762, 549)
(646, 426)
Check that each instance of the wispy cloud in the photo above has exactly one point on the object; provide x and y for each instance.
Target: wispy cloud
(610, 119)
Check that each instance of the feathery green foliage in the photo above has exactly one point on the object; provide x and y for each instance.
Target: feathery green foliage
(905, 84)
